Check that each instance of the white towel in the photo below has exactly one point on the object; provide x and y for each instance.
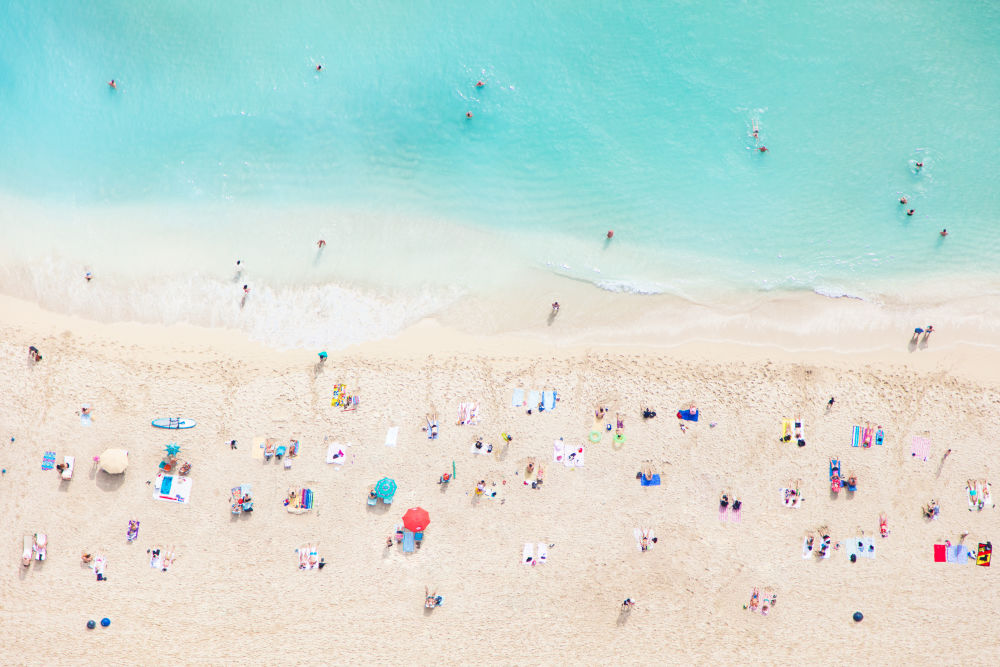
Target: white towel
(806, 551)
(486, 449)
(68, 472)
(154, 562)
(391, 436)
(574, 456)
(558, 450)
(332, 453)
(789, 503)
(527, 555)
(543, 552)
(867, 548)
(517, 400)
(534, 398)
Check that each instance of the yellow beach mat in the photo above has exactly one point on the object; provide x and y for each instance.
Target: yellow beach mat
(257, 447)
(786, 429)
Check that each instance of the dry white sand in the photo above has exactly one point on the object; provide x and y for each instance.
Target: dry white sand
(235, 594)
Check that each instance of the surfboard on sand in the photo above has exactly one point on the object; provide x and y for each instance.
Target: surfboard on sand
(174, 422)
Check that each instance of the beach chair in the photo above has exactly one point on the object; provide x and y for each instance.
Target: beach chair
(68, 472)
(418, 538)
(372, 500)
(269, 449)
(40, 546)
(387, 501)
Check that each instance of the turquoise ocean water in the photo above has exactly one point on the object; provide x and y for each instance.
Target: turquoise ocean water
(223, 141)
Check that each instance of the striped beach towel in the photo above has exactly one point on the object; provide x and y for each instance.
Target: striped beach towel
(855, 436)
(49, 461)
(921, 447)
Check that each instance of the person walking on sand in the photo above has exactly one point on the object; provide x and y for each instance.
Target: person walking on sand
(321, 244)
(928, 331)
(829, 404)
(555, 308)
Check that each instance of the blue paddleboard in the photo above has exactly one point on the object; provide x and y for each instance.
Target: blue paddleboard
(174, 422)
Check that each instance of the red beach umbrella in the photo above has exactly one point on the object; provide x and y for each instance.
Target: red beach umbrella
(416, 519)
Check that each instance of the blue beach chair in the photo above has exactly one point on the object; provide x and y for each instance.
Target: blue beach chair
(387, 501)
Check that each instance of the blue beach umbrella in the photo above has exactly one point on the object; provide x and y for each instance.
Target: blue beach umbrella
(173, 449)
(385, 488)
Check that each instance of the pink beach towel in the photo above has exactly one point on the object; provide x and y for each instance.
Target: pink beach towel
(921, 447)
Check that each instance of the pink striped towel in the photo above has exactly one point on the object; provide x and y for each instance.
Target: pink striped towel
(921, 447)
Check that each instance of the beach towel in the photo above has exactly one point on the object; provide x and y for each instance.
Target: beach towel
(549, 400)
(940, 553)
(807, 550)
(973, 497)
(85, 419)
(558, 450)
(486, 449)
(49, 461)
(868, 548)
(787, 500)
(855, 435)
(574, 456)
(517, 400)
(866, 438)
(879, 437)
(543, 552)
(653, 481)
(335, 454)
(257, 447)
(534, 399)
(68, 472)
(688, 415)
(528, 553)
(799, 432)
(855, 547)
(921, 447)
(391, 436)
(958, 554)
(985, 554)
(173, 489)
(29, 547)
(786, 429)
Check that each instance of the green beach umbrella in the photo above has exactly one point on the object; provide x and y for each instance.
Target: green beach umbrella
(385, 488)
(173, 449)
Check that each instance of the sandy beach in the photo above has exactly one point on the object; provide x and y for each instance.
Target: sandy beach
(235, 593)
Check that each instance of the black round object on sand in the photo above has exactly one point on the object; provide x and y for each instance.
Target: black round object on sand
(91, 625)
(858, 616)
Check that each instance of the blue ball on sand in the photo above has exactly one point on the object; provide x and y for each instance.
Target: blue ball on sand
(105, 622)
(91, 625)
(858, 616)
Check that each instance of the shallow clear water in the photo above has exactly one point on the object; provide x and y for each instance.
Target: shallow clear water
(223, 141)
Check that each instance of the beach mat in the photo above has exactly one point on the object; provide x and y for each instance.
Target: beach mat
(985, 554)
(543, 552)
(391, 436)
(940, 553)
(549, 400)
(868, 548)
(49, 461)
(855, 435)
(574, 456)
(655, 481)
(534, 399)
(806, 551)
(558, 450)
(174, 489)
(528, 553)
(335, 454)
(879, 437)
(921, 447)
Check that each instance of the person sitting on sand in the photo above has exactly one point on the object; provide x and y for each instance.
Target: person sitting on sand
(371, 493)
(481, 487)
(531, 466)
(737, 504)
(445, 478)
(724, 501)
(648, 414)
(628, 604)
(432, 600)
(86, 557)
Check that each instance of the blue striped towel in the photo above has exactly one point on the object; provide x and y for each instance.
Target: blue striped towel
(49, 461)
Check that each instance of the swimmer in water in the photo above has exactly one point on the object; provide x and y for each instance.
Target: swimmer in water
(112, 83)
(756, 129)
(319, 68)
(479, 84)
(763, 149)
(611, 234)
(468, 114)
(944, 232)
(919, 165)
(910, 212)
(902, 200)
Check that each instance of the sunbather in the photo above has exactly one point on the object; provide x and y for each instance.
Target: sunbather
(432, 600)
(86, 557)
(539, 476)
(480, 487)
(883, 525)
(168, 560)
(432, 425)
(754, 600)
(303, 557)
(809, 542)
(599, 412)
(620, 428)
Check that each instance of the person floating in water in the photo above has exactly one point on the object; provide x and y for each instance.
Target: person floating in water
(319, 68)
(944, 232)
(112, 84)
(756, 129)
(910, 212)
(920, 165)
(902, 200)
(468, 114)
(611, 233)
(480, 84)
(762, 149)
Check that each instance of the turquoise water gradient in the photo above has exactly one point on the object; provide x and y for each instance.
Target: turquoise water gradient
(634, 117)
